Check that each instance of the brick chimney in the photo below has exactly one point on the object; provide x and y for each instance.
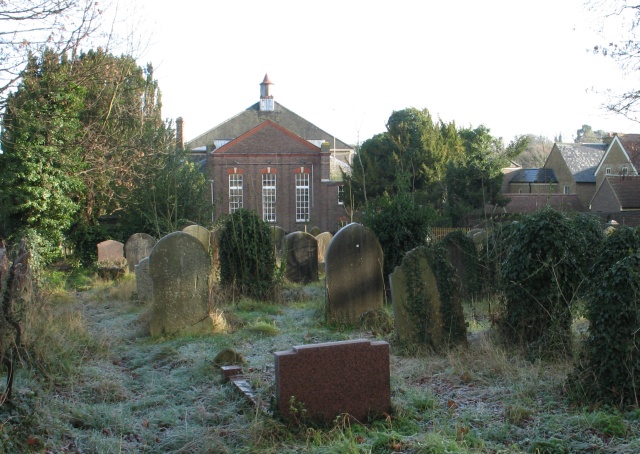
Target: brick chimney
(180, 133)
(325, 161)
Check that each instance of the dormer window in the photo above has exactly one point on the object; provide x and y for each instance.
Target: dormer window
(625, 170)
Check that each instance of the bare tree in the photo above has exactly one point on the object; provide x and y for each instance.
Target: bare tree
(28, 26)
(619, 20)
(535, 154)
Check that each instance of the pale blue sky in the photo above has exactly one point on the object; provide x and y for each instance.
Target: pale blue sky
(516, 67)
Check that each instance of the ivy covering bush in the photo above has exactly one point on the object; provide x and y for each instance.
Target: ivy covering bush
(609, 368)
(449, 315)
(541, 276)
(246, 254)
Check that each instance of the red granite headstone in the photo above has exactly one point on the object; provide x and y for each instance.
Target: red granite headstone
(333, 378)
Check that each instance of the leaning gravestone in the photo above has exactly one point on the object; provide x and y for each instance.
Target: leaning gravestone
(201, 233)
(354, 279)
(180, 268)
(144, 285)
(416, 301)
(323, 243)
(137, 247)
(302, 258)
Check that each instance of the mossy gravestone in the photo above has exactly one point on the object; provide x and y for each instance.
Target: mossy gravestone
(180, 268)
(416, 301)
(354, 279)
(137, 247)
(302, 258)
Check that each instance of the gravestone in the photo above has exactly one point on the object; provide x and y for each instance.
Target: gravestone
(202, 234)
(137, 247)
(111, 261)
(353, 272)
(279, 242)
(111, 251)
(180, 267)
(416, 301)
(323, 239)
(302, 258)
(315, 230)
(144, 285)
(334, 378)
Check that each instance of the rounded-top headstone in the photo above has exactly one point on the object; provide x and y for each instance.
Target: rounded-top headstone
(137, 247)
(180, 270)
(354, 276)
(302, 258)
(201, 233)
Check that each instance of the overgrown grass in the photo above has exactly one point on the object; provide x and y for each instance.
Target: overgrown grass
(104, 386)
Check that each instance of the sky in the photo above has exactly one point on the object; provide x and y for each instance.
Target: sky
(516, 67)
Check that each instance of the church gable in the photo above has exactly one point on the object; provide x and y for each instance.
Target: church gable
(268, 138)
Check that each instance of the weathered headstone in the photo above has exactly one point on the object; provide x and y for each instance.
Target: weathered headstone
(353, 272)
(180, 267)
(144, 284)
(323, 239)
(315, 230)
(416, 301)
(279, 242)
(330, 379)
(201, 233)
(137, 247)
(111, 261)
(111, 251)
(302, 258)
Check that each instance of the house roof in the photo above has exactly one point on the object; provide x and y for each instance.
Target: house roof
(267, 138)
(626, 190)
(253, 116)
(582, 159)
(535, 176)
(630, 145)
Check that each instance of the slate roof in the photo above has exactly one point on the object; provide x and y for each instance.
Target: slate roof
(582, 159)
(627, 190)
(253, 116)
(535, 176)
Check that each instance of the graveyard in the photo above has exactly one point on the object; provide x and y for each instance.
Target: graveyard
(126, 370)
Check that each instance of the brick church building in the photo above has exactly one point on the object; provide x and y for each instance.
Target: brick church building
(270, 160)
